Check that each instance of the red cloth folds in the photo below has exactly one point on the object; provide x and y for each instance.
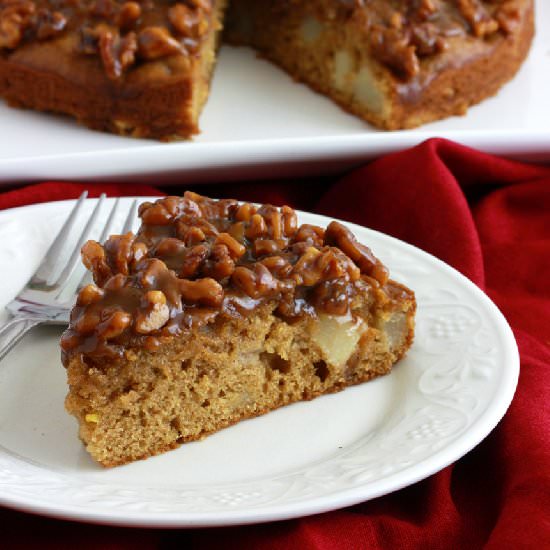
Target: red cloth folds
(490, 219)
(57, 191)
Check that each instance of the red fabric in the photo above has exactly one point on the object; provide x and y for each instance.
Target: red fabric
(489, 218)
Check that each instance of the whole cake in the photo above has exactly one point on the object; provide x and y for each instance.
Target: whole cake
(142, 68)
(218, 311)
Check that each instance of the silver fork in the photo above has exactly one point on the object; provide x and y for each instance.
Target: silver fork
(49, 294)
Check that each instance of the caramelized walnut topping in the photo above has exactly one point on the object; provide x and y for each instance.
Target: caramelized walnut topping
(116, 282)
(426, 9)
(88, 41)
(245, 212)
(402, 33)
(90, 294)
(154, 312)
(117, 53)
(15, 18)
(310, 234)
(394, 49)
(280, 267)
(234, 248)
(427, 40)
(93, 258)
(257, 282)
(193, 230)
(128, 15)
(104, 9)
(340, 236)
(206, 291)
(266, 247)
(478, 17)
(113, 324)
(332, 297)
(86, 323)
(49, 24)
(119, 251)
(121, 33)
(195, 258)
(220, 264)
(167, 211)
(188, 21)
(204, 5)
(155, 42)
(256, 227)
(508, 17)
(290, 221)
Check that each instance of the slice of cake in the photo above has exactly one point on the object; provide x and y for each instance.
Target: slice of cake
(398, 63)
(133, 68)
(218, 311)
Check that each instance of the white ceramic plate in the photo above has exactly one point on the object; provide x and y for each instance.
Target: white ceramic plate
(438, 403)
(258, 117)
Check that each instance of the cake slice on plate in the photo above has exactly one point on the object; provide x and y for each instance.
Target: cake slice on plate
(218, 311)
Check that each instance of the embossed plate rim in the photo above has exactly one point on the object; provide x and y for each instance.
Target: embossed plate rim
(91, 508)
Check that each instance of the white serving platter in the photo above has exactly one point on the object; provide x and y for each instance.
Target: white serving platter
(258, 122)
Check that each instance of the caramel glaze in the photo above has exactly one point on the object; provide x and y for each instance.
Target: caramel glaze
(195, 260)
(401, 34)
(122, 33)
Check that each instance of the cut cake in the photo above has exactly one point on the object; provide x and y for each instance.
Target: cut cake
(143, 68)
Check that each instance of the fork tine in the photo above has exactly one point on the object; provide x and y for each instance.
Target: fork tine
(70, 265)
(45, 268)
(129, 223)
(107, 229)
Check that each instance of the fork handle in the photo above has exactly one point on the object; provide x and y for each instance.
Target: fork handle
(13, 331)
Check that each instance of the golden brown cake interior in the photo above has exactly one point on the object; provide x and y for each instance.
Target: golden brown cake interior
(218, 311)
